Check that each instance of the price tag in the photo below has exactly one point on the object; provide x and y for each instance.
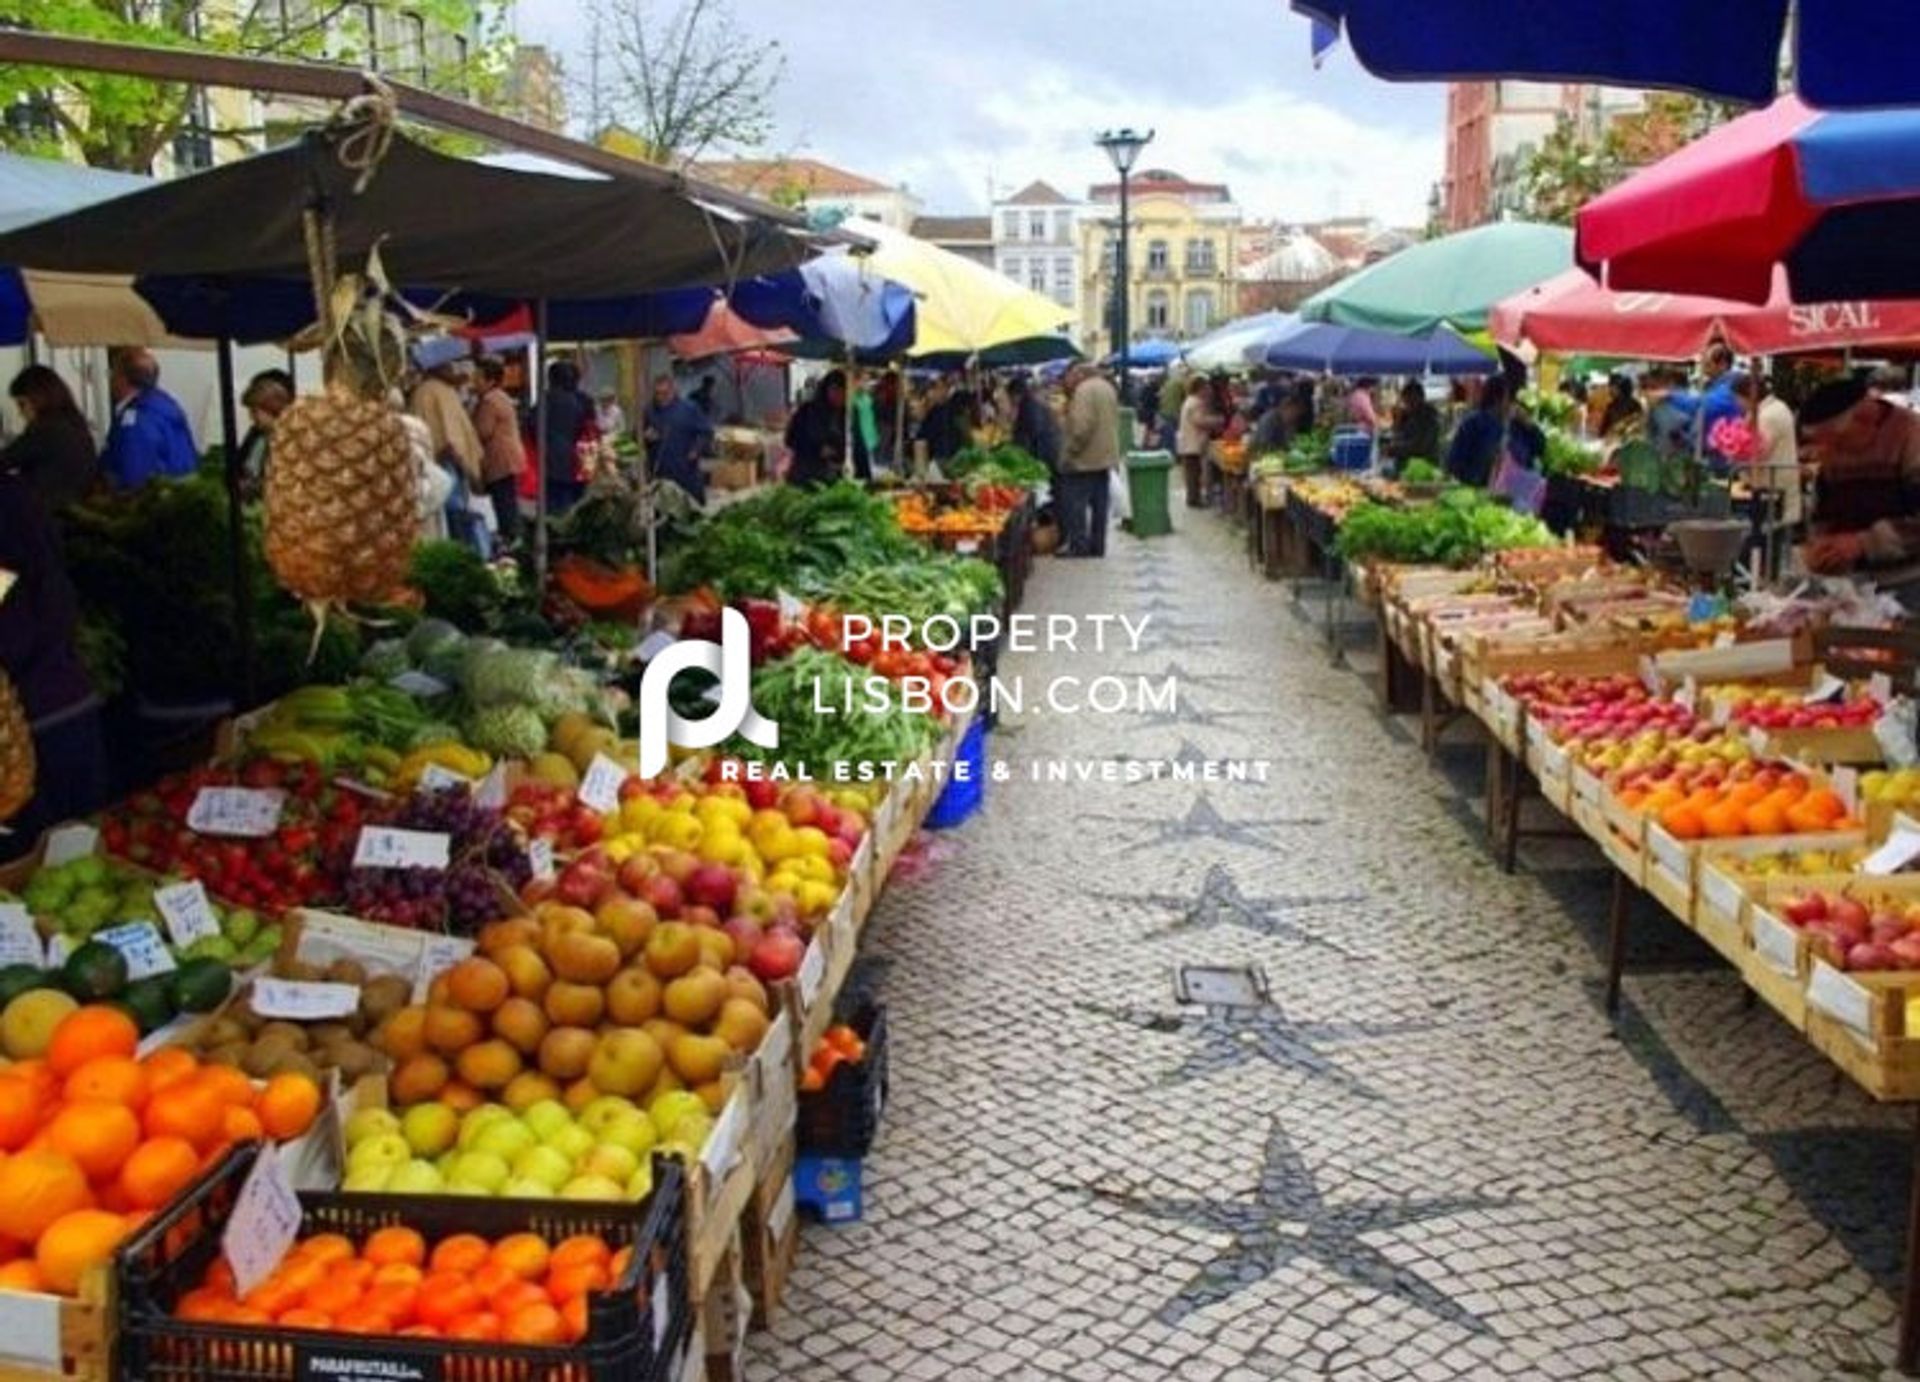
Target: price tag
(540, 856)
(1776, 942)
(1900, 850)
(1880, 687)
(1650, 676)
(419, 685)
(1840, 998)
(1894, 732)
(59, 946)
(19, 940)
(1722, 893)
(654, 644)
(434, 778)
(491, 794)
(187, 912)
(813, 968)
(1828, 688)
(1688, 696)
(437, 955)
(1846, 786)
(246, 812)
(662, 1307)
(723, 1143)
(8, 580)
(1724, 639)
(299, 1001)
(791, 610)
(1722, 711)
(65, 843)
(264, 1223)
(389, 847)
(600, 788)
(966, 547)
(324, 938)
(1757, 741)
(141, 943)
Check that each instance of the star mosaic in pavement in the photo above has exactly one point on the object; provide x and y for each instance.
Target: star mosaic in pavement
(1186, 711)
(1221, 903)
(1286, 1220)
(1228, 1037)
(1202, 822)
(1191, 754)
(1180, 673)
(1185, 632)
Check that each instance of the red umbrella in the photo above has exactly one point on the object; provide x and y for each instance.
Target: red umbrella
(1571, 312)
(724, 332)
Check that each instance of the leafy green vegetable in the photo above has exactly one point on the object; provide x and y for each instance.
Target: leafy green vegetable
(999, 465)
(809, 694)
(457, 583)
(936, 584)
(1565, 456)
(792, 539)
(1457, 529)
(1420, 471)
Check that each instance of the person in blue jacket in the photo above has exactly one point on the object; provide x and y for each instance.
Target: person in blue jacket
(678, 432)
(149, 437)
(1481, 436)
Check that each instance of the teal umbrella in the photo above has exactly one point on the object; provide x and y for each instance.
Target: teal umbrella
(1453, 281)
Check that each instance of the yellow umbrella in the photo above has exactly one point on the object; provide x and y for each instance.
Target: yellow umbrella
(965, 310)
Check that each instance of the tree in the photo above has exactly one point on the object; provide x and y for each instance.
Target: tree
(1569, 168)
(127, 122)
(685, 80)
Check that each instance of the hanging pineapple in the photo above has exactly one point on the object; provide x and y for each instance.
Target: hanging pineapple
(16, 752)
(342, 496)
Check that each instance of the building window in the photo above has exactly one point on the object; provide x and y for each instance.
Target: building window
(1199, 312)
(1037, 275)
(1063, 226)
(1010, 225)
(1036, 225)
(1156, 256)
(1159, 309)
(1063, 281)
(1110, 258)
(1012, 267)
(1200, 257)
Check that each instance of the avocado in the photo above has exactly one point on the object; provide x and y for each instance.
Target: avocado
(199, 985)
(17, 979)
(94, 971)
(147, 999)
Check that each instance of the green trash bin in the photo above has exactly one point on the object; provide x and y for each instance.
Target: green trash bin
(1147, 476)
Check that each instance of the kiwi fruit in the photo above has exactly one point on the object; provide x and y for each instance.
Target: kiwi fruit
(231, 1053)
(345, 971)
(293, 1032)
(353, 1060)
(223, 1031)
(381, 998)
(261, 1057)
(301, 971)
(326, 1033)
(295, 1063)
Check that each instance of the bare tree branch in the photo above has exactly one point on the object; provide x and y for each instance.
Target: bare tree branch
(689, 79)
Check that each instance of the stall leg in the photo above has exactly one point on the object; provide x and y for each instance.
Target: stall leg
(1619, 915)
(1515, 797)
(1908, 1353)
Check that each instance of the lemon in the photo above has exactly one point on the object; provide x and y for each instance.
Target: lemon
(811, 841)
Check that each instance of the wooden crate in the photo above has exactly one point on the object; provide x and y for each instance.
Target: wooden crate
(1670, 889)
(1552, 765)
(1852, 745)
(724, 1311)
(1625, 839)
(718, 1187)
(1778, 960)
(770, 1237)
(775, 1097)
(43, 1337)
(1859, 1022)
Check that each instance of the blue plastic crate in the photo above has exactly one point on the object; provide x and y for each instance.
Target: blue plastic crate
(967, 787)
(828, 1187)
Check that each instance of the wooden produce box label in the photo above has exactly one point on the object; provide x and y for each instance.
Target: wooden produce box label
(1841, 998)
(1775, 943)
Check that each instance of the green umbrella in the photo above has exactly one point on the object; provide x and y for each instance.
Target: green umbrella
(1453, 281)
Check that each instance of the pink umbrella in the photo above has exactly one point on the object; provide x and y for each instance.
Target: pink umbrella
(1571, 312)
(724, 332)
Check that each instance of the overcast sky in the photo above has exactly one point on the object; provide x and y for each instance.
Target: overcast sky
(948, 96)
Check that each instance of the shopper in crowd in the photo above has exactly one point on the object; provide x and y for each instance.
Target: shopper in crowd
(704, 399)
(1867, 500)
(1224, 400)
(435, 481)
(818, 437)
(1776, 461)
(886, 406)
(54, 452)
(39, 651)
(941, 426)
(608, 415)
(149, 437)
(1481, 437)
(1035, 429)
(1361, 411)
(268, 394)
(866, 420)
(1199, 424)
(570, 425)
(437, 400)
(1087, 460)
(1416, 427)
(503, 453)
(678, 434)
(1625, 412)
(1171, 396)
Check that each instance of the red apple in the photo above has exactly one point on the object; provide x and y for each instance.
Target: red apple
(664, 895)
(700, 916)
(777, 956)
(635, 873)
(713, 885)
(746, 934)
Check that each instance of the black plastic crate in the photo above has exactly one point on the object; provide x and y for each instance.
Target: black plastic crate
(844, 1118)
(630, 1337)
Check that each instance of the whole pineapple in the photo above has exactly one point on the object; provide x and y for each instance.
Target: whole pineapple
(342, 496)
(16, 752)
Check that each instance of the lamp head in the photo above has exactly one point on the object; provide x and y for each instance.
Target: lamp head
(1123, 146)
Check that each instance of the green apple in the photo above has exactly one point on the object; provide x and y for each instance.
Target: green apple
(430, 1129)
(545, 1165)
(416, 1178)
(636, 1133)
(383, 1151)
(521, 1188)
(604, 1110)
(481, 1168)
(546, 1118)
(466, 1187)
(668, 1109)
(572, 1142)
(615, 1163)
(367, 1180)
(640, 1184)
(478, 1121)
(444, 1162)
(592, 1188)
(370, 1122)
(506, 1138)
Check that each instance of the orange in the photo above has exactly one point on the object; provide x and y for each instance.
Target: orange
(445, 1297)
(1725, 819)
(535, 1324)
(617, 1268)
(304, 1318)
(276, 1295)
(36, 1188)
(398, 1274)
(515, 1295)
(73, 1243)
(1766, 817)
(327, 1248)
(231, 1084)
(1631, 799)
(20, 1109)
(331, 1294)
(1747, 793)
(288, 1106)
(202, 1303)
(464, 1252)
(189, 1110)
(461, 1098)
(39, 1078)
(240, 1125)
(395, 1300)
(576, 1279)
(1804, 819)
(395, 1245)
(582, 1247)
(169, 1065)
(158, 1170)
(524, 1254)
(490, 1278)
(1825, 805)
(302, 1274)
(109, 1079)
(574, 1316)
(95, 1030)
(483, 1326)
(1682, 822)
(22, 1275)
(363, 1319)
(421, 1331)
(100, 1137)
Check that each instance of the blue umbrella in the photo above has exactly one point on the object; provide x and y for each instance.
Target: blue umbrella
(1354, 350)
(1847, 53)
(1225, 347)
(833, 301)
(1150, 354)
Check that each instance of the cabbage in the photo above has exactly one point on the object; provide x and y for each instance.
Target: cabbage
(434, 732)
(386, 660)
(512, 676)
(432, 636)
(507, 731)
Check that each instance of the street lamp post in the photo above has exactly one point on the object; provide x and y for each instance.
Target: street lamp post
(1123, 146)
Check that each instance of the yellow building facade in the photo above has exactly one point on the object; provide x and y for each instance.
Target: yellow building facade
(1182, 258)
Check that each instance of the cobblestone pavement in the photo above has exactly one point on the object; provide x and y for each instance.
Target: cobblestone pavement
(1428, 1156)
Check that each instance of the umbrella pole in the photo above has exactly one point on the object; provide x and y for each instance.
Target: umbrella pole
(539, 382)
(900, 419)
(237, 572)
(846, 449)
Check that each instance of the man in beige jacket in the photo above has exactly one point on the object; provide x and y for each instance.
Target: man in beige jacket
(1091, 452)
